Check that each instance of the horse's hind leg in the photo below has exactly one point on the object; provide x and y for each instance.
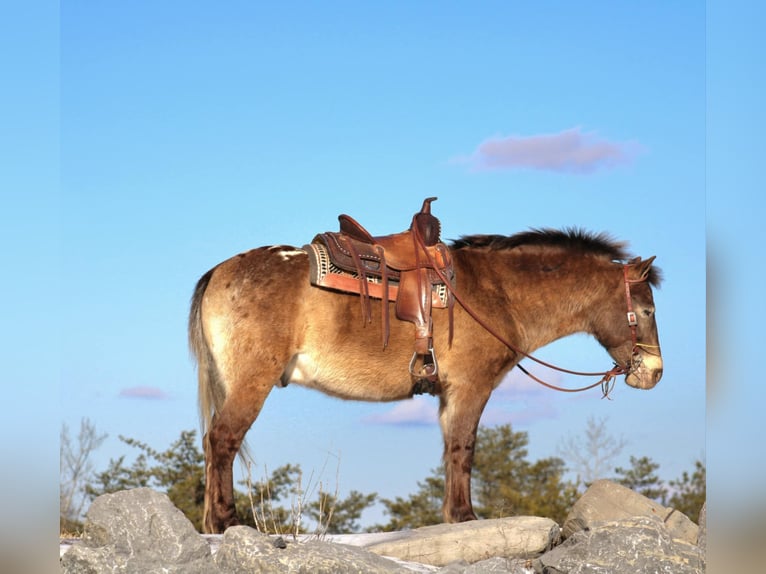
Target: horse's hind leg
(222, 443)
(459, 414)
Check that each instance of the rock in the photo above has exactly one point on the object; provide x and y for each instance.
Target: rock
(702, 536)
(640, 545)
(494, 565)
(141, 531)
(515, 537)
(607, 500)
(245, 550)
(137, 531)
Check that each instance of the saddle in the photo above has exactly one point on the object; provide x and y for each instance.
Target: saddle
(408, 268)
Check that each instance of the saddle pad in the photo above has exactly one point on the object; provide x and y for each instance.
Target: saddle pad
(324, 273)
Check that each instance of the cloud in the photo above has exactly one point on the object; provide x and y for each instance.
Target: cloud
(150, 393)
(571, 151)
(414, 412)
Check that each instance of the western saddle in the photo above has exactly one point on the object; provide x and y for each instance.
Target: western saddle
(409, 268)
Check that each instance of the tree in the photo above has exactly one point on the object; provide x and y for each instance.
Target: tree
(690, 491)
(276, 504)
(258, 506)
(591, 455)
(504, 483)
(507, 484)
(421, 509)
(641, 478)
(546, 492)
(499, 470)
(75, 469)
(178, 471)
(340, 516)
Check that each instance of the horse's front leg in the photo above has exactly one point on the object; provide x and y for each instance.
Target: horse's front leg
(459, 413)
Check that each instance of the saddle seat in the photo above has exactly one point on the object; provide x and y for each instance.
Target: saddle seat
(408, 267)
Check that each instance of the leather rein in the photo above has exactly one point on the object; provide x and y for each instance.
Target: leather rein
(607, 377)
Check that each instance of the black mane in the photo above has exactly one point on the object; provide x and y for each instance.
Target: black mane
(571, 238)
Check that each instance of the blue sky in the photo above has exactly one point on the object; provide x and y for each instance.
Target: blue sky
(189, 132)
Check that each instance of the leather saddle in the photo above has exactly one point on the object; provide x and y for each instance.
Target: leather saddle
(408, 268)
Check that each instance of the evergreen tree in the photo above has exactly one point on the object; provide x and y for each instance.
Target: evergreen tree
(690, 491)
(504, 483)
(178, 471)
(340, 516)
(422, 508)
(276, 504)
(546, 492)
(641, 478)
(507, 484)
(499, 471)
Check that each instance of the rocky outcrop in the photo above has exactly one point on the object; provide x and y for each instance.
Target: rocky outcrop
(638, 545)
(516, 537)
(137, 531)
(609, 530)
(607, 500)
(245, 550)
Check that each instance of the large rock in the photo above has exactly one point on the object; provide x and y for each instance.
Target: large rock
(608, 501)
(138, 531)
(702, 536)
(639, 545)
(515, 537)
(244, 550)
(495, 565)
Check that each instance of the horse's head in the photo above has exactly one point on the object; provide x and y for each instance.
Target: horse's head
(628, 329)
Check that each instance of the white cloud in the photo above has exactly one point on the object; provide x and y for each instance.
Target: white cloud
(416, 411)
(570, 150)
(151, 393)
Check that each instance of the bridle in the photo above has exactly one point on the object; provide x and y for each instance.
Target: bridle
(607, 379)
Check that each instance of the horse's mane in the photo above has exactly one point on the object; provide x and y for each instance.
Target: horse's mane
(572, 238)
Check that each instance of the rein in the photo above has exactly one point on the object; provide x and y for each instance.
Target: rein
(607, 377)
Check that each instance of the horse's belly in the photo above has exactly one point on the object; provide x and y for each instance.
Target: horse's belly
(347, 378)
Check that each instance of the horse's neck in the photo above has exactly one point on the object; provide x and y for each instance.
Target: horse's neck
(556, 304)
(549, 301)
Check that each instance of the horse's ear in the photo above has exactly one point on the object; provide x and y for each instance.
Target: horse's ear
(645, 266)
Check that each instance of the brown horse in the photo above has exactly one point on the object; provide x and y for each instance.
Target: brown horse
(256, 323)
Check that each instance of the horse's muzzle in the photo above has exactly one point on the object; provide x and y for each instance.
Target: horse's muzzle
(645, 371)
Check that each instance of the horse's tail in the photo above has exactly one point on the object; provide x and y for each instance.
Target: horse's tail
(211, 393)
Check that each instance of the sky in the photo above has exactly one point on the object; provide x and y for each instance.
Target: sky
(189, 132)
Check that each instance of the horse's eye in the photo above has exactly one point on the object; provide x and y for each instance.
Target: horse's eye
(648, 312)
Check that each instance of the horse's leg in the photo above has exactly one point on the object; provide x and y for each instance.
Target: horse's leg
(459, 413)
(222, 444)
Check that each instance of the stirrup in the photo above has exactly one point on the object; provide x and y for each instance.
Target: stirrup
(428, 367)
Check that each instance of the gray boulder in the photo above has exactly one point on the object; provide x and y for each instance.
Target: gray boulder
(702, 536)
(244, 550)
(137, 531)
(495, 565)
(607, 500)
(640, 545)
(439, 545)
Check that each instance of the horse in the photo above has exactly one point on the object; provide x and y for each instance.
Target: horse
(257, 323)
